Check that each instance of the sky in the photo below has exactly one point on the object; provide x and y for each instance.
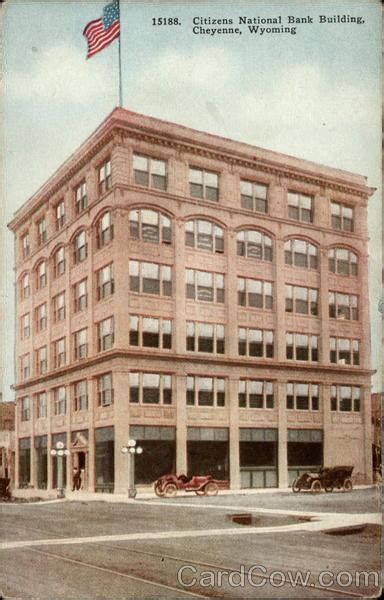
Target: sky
(315, 95)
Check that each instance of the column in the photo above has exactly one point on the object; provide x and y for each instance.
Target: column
(68, 462)
(282, 445)
(327, 423)
(365, 342)
(92, 395)
(121, 423)
(17, 447)
(181, 424)
(234, 433)
(279, 299)
(121, 277)
(49, 440)
(33, 451)
(366, 411)
(324, 307)
(231, 295)
(178, 281)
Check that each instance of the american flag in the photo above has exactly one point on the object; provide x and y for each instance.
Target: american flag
(101, 32)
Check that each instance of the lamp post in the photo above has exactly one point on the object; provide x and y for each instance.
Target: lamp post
(60, 451)
(131, 449)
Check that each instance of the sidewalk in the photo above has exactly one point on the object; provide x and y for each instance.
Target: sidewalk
(143, 493)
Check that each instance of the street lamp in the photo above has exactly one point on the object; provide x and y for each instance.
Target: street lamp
(131, 449)
(60, 451)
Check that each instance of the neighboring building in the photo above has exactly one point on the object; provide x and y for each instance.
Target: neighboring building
(203, 296)
(7, 439)
(377, 405)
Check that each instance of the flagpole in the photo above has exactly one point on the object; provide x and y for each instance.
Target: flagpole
(120, 78)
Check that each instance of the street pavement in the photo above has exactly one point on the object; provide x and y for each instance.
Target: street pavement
(136, 549)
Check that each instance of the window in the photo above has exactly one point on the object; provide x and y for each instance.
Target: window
(149, 172)
(342, 261)
(343, 306)
(59, 353)
(81, 197)
(150, 226)
(341, 216)
(300, 253)
(255, 394)
(106, 334)
(25, 288)
(150, 388)
(254, 293)
(80, 295)
(300, 346)
(25, 408)
(204, 184)
(25, 327)
(302, 396)
(41, 360)
(25, 367)
(105, 388)
(81, 343)
(150, 278)
(80, 248)
(41, 281)
(104, 230)
(300, 207)
(205, 337)
(345, 398)
(254, 196)
(80, 389)
(59, 307)
(105, 177)
(204, 235)
(254, 244)
(344, 351)
(105, 282)
(150, 332)
(256, 342)
(204, 286)
(41, 317)
(301, 300)
(41, 405)
(25, 245)
(205, 391)
(60, 401)
(59, 262)
(41, 231)
(60, 214)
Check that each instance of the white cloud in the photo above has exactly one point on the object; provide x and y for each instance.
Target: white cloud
(59, 73)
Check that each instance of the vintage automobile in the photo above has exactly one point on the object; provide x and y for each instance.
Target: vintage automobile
(5, 493)
(202, 485)
(328, 479)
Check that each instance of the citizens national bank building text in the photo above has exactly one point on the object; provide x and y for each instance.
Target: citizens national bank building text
(203, 296)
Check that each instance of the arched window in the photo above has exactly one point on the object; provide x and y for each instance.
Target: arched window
(342, 261)
(254, 244)
(41, 275)
(204, 235)
(59, 262)
(300, 253)
(80, 249)
(150, 226)
(104, 230)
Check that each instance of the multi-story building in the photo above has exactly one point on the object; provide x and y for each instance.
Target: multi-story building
(203, 296)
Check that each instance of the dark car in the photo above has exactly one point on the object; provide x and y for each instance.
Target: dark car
(202, 485)
(328, 479)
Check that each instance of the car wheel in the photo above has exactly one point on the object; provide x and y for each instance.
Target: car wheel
(295, 487)
(347, 487)
(170, 490)
(316, 486)
(211, 489)
(158, 490)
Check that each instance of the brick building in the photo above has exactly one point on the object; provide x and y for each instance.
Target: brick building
(7, 438)
(203, 296)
